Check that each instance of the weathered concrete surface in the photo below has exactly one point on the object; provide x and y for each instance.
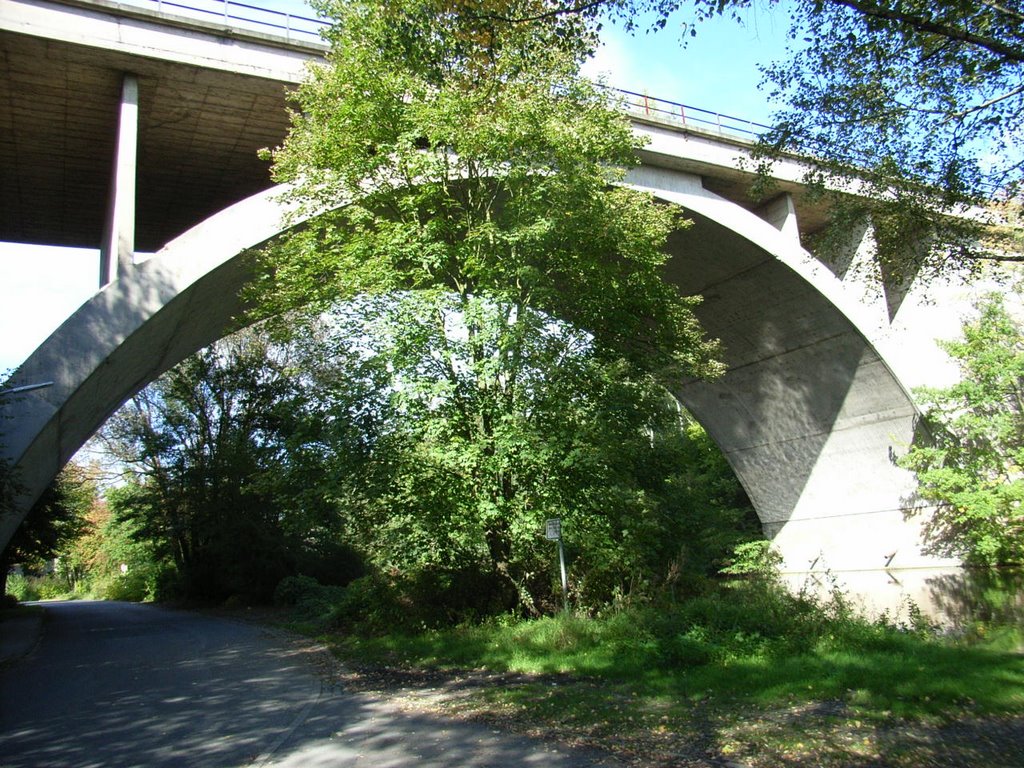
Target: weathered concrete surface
(808, 414)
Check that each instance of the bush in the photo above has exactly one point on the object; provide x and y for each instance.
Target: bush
(139, 585)
(688, 649)
(425, 598)
(291, 589)
(309, 598)
(754, 558)
(45, 587)
(331, 563)
(19, 587)
(373, 603)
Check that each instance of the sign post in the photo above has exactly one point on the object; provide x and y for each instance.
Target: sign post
(553, 532)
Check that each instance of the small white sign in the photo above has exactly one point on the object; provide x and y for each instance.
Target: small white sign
(554, 529)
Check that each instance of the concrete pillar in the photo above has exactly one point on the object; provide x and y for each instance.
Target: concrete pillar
(117, 251)
(780, 212)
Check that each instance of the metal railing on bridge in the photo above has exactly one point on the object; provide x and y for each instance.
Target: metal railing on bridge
(674, 112)
(298, 28)
(293, 27)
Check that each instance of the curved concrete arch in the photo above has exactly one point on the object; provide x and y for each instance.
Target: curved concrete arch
(808, 413)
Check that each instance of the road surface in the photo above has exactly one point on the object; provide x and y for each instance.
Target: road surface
(118, 684)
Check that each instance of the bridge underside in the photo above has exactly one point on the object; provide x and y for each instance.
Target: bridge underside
(199, 131)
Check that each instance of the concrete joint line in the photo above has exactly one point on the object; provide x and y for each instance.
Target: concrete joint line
(786, 352)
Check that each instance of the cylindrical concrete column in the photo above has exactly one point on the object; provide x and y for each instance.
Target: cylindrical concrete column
(117, 250)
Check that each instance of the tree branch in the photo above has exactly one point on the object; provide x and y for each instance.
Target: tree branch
(573, 9)
(984, 105)
(1003, 9)
(873, 10)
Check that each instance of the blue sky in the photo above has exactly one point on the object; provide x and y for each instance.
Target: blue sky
(716, 71)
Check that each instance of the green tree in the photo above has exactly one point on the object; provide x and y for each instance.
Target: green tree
(472, 157)
(970, 460)
(56, 520)
(206, 446)
(468, 456)
(107, 561)
(472, 175)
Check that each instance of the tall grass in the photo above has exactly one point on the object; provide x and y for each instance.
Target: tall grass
(746, 643)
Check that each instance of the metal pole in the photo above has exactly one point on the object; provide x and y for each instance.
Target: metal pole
(25, 388)
(565, 582)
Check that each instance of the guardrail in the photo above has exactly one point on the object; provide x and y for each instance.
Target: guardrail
(663, 110)
(305, 29)
(295, 27)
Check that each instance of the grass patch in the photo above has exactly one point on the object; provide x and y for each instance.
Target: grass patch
(734, 645)
(746, 672)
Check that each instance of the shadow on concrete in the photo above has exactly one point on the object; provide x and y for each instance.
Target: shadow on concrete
(793, 362)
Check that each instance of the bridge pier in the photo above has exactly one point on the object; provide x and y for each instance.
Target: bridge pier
(117, 251)
(780, 212)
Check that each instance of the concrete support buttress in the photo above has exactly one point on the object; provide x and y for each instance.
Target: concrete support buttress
(780, 212)
(117, 251)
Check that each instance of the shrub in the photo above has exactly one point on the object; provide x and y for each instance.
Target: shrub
(51, 587)
(46, 587)
(331, 563)
(309, 598)
(137, 586)
(291, 589)
(373, 603)
(20, 587)
(754, 558)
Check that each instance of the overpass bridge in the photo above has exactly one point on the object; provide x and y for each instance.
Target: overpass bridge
(134, 129)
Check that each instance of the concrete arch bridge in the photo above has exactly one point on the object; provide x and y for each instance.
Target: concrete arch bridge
(129, 127)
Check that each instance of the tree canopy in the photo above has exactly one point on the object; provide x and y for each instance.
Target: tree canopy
(917, 106)
(375, 438)
(474, 438)
(56, 519)
(211, 451)
(970, 458)
(468, 153)
(466, 179)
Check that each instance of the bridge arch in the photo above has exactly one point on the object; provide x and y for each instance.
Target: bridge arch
(808, 414)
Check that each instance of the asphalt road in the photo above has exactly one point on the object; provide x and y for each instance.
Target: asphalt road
(117, 684)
